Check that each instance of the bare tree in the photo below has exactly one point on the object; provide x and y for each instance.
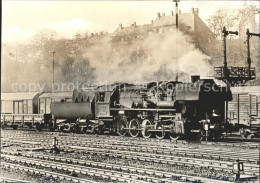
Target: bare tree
(42, 42)
(246, 20)
(220, 19)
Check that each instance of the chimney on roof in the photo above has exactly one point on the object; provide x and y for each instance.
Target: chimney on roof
(179, 12)
(158, 15)
(172, 13)
(192, 10)
(151, 21)
(163, 14)
(196, 11)
(134, 24)
(120, 26)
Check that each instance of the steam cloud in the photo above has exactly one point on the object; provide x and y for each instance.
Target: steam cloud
(156, 57)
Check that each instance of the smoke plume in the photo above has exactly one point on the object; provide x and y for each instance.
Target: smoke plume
(159, 56)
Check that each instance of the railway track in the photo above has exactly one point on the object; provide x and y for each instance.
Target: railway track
(140, 140)
(146, 174)
(104, 170)
(157, 153)
(165, 159)
(206, 153)
(130, 149)
(7, 180)
(31, 170)
(228, 143)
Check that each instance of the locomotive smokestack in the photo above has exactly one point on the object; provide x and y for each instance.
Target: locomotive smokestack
(195, 78)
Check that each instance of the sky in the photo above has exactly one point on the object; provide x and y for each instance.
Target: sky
(23, 19)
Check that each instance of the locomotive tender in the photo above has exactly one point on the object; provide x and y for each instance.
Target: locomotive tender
(166, 108)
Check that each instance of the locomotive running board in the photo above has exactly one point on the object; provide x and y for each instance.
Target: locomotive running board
(138, 109)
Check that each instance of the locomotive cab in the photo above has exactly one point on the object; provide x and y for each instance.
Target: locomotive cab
(102, 108)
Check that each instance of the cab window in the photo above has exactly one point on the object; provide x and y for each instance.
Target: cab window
(103, 97)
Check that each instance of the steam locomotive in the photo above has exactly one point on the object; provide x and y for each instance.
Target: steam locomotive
(166, 108)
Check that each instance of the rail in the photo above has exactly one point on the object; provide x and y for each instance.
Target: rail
(8, 180)
(164, 155)
(111, 170)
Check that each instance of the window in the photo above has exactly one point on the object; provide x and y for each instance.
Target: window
(101, 97)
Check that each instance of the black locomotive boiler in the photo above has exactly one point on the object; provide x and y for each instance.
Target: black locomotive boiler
(160, 109)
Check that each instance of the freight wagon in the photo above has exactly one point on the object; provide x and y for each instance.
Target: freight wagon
(30, 109)
(244, 110)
